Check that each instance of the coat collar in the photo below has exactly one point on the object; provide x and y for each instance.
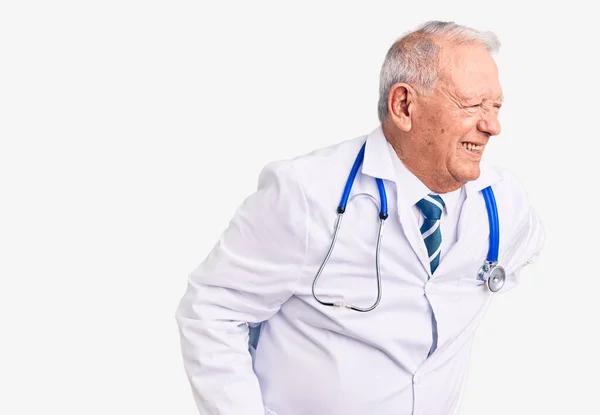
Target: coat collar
(378, 160)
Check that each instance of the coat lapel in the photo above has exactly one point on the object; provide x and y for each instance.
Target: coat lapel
(413, 234)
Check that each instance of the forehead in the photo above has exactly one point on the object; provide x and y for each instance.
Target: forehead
(469, 71)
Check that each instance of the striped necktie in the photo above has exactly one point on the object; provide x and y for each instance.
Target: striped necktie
(432, 206)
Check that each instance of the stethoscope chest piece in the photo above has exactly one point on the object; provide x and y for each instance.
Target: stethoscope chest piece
(493, 274)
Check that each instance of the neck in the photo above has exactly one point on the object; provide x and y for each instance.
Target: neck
(420, 164)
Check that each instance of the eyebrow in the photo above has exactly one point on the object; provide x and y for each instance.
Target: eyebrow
(468, 96)
(499, 98)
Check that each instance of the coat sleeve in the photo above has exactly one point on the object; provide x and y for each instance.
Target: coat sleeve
(250, 272)
(522, 245)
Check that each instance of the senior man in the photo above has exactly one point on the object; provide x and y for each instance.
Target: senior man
(408, 302)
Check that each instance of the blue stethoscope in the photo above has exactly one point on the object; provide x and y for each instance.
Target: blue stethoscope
(490, 272)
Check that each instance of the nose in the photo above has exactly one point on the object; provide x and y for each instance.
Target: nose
(489, 124)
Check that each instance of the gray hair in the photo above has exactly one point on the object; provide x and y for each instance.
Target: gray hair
(414, 58)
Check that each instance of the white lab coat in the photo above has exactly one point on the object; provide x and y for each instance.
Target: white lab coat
(317, 360)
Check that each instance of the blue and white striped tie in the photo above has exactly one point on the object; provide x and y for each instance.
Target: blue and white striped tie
(432, 206)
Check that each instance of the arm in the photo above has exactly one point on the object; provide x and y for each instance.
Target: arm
(251, 271)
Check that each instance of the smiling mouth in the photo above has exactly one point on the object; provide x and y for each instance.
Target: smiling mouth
(475, 148)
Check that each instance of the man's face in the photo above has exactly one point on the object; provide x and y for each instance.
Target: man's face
(453, 124)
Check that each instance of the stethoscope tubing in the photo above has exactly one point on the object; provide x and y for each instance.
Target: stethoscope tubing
(487, 269)
(492, 212)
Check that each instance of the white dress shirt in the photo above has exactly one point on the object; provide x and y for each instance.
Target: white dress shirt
(318, 360)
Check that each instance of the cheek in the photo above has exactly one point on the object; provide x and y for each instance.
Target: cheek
(467, 125)
(442, 133)
(460, 130)
(445, 124)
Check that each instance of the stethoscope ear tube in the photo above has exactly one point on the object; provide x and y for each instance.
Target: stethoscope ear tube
(383, 215)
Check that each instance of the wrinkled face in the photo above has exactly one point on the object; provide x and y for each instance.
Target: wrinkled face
(453, 124)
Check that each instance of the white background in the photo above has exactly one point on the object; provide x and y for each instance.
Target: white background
(131, 131)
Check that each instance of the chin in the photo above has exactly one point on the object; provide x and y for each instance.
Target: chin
(468, 175)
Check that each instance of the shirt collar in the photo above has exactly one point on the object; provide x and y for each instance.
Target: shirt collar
(381, 161)
(451, 200)
(487, 177)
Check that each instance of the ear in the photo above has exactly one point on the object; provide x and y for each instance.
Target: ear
(400, 105)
